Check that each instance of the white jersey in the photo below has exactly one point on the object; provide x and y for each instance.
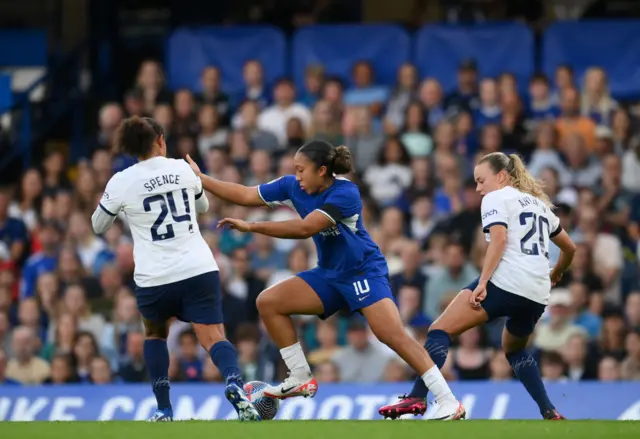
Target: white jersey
(524, 266)
(160, 198)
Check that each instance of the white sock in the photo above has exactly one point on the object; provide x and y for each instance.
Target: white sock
(437, 385)
(295, 360)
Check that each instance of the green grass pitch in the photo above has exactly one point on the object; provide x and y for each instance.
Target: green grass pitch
(324, 429)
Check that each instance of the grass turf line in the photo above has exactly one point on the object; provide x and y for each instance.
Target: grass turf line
(323, 429)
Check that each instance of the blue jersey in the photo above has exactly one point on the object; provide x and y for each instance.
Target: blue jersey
(344, 250)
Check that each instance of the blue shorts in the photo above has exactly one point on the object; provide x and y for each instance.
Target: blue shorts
(522, 314)
(352, 293)
(196, 300)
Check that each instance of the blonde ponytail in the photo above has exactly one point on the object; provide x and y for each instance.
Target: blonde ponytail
(522, 180)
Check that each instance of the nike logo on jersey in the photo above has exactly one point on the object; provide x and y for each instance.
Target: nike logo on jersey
(362, 298)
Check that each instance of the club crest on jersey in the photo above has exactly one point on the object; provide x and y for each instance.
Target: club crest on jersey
(332, 231)
(105, 196)
(490, 213)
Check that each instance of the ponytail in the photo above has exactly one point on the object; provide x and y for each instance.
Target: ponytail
(520, 178)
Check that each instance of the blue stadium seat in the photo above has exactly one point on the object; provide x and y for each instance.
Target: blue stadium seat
(6, 96)
(23, 48)
(338, 47)
(497, 48)
(612, 45)
(189, 51)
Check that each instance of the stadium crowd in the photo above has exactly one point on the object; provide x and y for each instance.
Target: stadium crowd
(68, 311)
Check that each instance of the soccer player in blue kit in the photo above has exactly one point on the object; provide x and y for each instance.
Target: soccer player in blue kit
(175, 272)
(351, 273)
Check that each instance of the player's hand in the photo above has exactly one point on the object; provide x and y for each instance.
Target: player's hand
(555, 277)
(193, 165)
(478, 295)
(235, 224)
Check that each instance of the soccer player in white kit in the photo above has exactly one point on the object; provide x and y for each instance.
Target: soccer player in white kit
(175, 272)
(515, 282)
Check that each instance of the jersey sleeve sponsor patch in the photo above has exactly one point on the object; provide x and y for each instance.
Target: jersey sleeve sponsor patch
(494, 212)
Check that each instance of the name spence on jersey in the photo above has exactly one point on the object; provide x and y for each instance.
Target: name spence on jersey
(161, 180)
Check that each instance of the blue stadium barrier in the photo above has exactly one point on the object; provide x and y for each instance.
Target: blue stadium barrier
(612, 45)
(483, 400)
(338, 47)
(189, 51)
(6, 95)
(23, 48)
(497, 48)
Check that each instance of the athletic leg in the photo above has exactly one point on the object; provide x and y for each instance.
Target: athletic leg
(156, 356)
(525, 366)
(385, 322)
(276, 305)
(456, 319)
(201, 305)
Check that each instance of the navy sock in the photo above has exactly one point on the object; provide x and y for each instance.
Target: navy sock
(526, 369)
(225, 357)
(156, 355)
(437, 345)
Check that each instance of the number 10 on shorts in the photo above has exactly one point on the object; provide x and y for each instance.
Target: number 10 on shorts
(361, 287)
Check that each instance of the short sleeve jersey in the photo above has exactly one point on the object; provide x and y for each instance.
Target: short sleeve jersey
(345, 249)
(524, 267)
(158, 197)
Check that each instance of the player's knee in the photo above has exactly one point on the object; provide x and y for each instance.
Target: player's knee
(266, 303)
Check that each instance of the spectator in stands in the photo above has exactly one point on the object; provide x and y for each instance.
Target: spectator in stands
(243, 284)
(100, 371)
(132, 368)
(254, 85)
(186, 119)
(25, 367)
(75, 303)
(465, 96)
(3, 368)
(609, 369)
(61, 370)
(151, 85)
(365, 92)
(614, 328)
(570, 122)
(327, 337)
(553, 335)
(313, 80)
(613, 200)
(87, 244)
(247, 121)
(125, 320)
(545, 155)
(396, 371)
(44, 261)
(575, 353)
(414, 131)
(360, 361)
(488, 111)
(333, 92)
(552, 367)
(13, 232)
(30, 316)
(265, 258)
(422, 218)
(541, 107)
(85, 349)
(632, 310)
(189, 363)
(62, 342)
(327, 372)
(274, 118)
(583, 168)
(5, 332)
(296, 134)
(297, 261)
(500, 368)
(453, 275)
(391, 175)
(564, 79)
(213, 95)
(212, 134)
(596, 100)
(247, 340)
(326, 123)
(432, 98)
(28, 198)
(471, 359)
(630, 367)
(54, 173)
(583, 317)
(411, 273)
(410, 300)
(365, 144)
(109, 118)
(401, 95)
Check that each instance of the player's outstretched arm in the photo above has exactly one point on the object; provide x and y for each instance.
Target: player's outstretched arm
(305, 228)
(230, 192)
(567, 250)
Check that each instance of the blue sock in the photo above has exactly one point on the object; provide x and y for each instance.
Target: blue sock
(225, 357)
(156, 355)
(526, 369)
(437, 345)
